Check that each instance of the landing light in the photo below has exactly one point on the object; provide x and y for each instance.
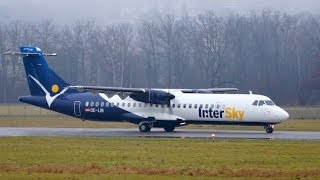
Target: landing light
(213, 136)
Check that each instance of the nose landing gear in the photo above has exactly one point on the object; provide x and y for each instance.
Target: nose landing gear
(269, 128)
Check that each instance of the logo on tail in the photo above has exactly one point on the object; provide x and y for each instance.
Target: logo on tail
(54, 88)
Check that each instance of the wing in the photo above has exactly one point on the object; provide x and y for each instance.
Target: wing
(108, 89)
(210, 90)
(222, 90)
(139, 94)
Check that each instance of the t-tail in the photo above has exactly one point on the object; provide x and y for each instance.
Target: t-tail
(42, 80)
(40, 76)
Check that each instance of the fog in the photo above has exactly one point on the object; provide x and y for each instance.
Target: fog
(271, 47)
(110, 11)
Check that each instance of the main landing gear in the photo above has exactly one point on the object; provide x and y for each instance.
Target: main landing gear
(269, 128)
(145, 126)
(169, 128)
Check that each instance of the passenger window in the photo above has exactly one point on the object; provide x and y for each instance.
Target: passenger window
(87, 104)
(123, 104)
(102, 104)
(129, 104)
(178, 105)
(261, 103)
(212, 106)
(107, 104)
(255, 103)
(140, 104)
(168, 105)
(91, 103)
(207, 106)
(162, 105)
(134, 104)
(151, 105)
(173, 105)
(195, 106)
(157, 105)
(218, 106)
(97, 104)
(145, 104)
(112, 104)
(184, 105)
(190, 105)
(200, 106)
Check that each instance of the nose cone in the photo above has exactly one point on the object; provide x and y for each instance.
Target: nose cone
(283, 115)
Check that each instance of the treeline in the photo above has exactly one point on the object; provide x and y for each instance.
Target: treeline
(268, 52)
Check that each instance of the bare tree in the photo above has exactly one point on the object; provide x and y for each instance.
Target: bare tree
(81, 34)
(46, 34)
(210, 48)
(166, 35)
(149, 44)
(115, 43)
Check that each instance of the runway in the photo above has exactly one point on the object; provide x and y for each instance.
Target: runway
(157, 133)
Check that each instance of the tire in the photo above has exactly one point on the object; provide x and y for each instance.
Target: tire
(169, 128)
(144, 127)
(269, 130)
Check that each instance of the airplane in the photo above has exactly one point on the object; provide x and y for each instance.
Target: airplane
(148, 108)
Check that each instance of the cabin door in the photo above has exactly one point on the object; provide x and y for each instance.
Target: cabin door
(77, 110)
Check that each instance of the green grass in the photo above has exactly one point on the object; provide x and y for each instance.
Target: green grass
(10, 175)
(52, 156)
(96, 176)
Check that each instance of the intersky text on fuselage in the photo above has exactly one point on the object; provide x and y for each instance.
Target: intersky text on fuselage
(227, 113)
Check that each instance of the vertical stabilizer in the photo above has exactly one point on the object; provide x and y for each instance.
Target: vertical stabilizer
(41, 78)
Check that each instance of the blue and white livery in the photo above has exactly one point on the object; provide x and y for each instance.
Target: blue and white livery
(161, 108)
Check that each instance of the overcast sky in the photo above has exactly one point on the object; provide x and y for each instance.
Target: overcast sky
(107, 11)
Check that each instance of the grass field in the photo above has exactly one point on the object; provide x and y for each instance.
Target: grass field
(54, 157)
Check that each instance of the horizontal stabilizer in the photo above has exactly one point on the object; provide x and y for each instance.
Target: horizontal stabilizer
(28, 53)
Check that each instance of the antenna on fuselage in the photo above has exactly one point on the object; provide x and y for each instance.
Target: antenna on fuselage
(250, 92)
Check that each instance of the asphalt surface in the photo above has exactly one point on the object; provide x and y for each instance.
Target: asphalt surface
(157, 133)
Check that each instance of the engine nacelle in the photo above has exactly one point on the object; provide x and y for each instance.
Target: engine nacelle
(153, 97)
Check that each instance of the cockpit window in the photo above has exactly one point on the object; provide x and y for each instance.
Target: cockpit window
(261, 102)
(269, 103)
(255, 103)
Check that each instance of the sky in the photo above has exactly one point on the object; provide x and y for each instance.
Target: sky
(110, 11)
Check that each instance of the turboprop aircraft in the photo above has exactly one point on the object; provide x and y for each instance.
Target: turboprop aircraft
(158, 108)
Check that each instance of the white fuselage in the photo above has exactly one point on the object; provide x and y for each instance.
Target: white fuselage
(206, 108)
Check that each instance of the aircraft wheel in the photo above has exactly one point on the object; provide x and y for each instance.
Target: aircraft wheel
(269, 130)
(144, 127)
(169, 128)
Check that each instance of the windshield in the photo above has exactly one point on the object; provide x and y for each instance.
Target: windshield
(255, 103)
(261, 102)
(270, 103)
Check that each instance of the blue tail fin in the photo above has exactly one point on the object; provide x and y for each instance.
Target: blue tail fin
(41, 77)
